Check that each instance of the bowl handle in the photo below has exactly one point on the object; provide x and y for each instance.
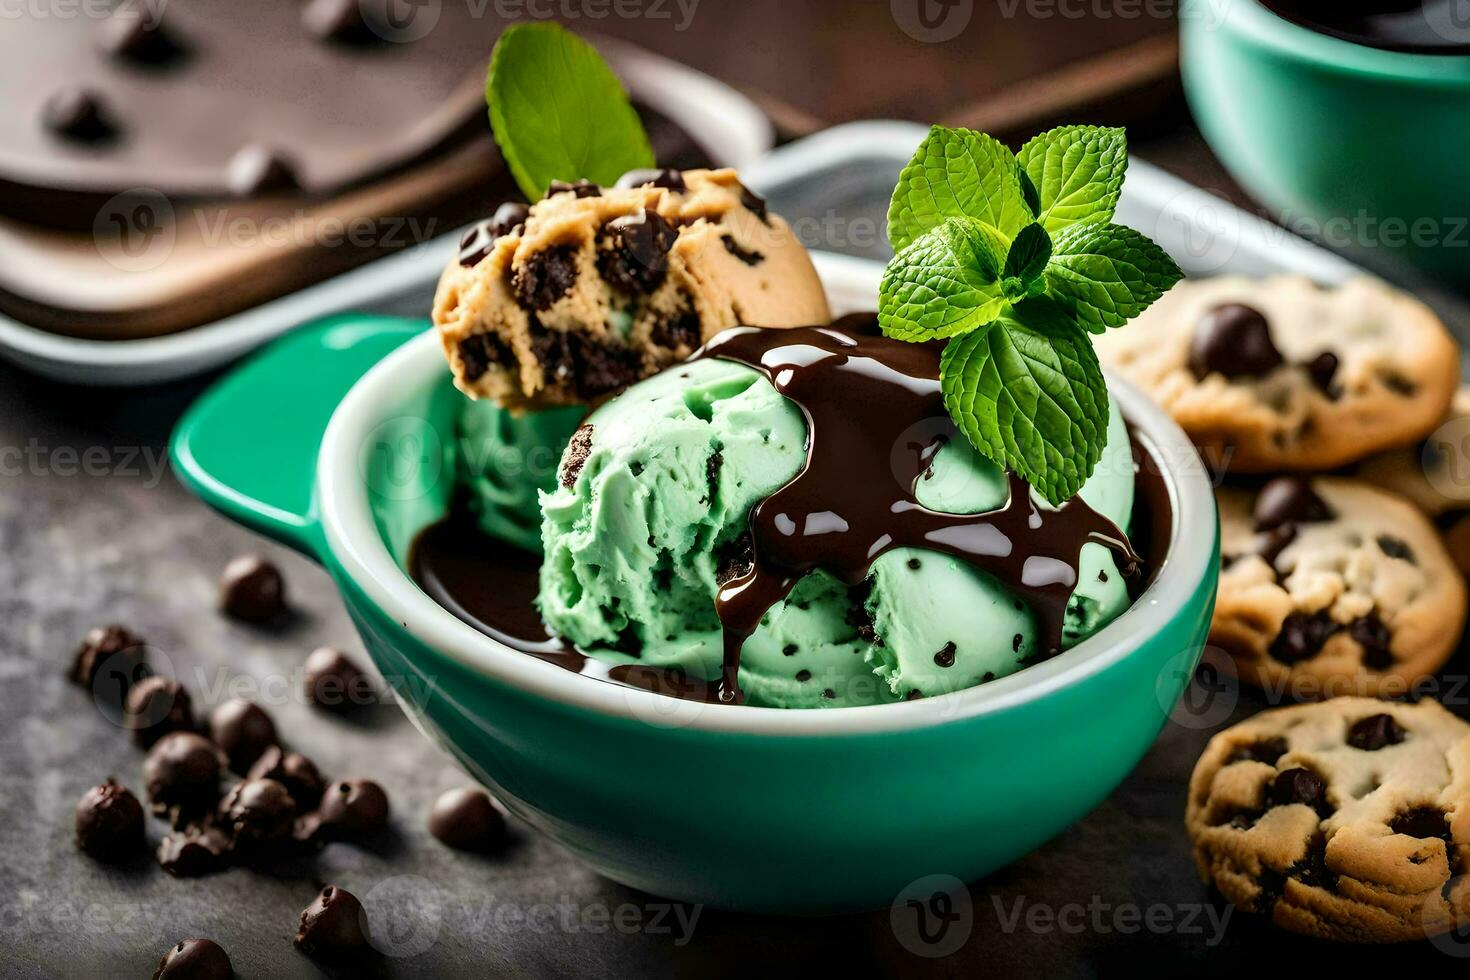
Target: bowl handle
(248, 446)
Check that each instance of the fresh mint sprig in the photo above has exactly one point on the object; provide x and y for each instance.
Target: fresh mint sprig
(559, 112)
(1014, 259)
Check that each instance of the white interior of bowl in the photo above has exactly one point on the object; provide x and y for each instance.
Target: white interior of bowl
(350, 532)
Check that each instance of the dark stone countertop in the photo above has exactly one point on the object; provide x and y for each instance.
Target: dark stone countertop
(124, 542)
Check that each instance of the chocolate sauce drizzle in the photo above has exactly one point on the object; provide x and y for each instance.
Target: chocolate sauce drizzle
(855, 498)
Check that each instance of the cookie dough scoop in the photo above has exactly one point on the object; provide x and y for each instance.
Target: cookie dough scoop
(593, 288)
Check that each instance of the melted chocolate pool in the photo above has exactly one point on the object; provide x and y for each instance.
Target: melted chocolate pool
(853, 501)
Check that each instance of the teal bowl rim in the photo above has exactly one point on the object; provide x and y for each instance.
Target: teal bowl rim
(1270, 29)
(352, 538)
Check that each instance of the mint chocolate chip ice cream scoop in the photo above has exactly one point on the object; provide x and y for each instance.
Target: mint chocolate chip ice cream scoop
(839, 544)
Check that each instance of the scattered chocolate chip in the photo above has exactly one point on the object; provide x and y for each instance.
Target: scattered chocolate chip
(181, 773)
(1102, 575)
(333, 929)
(1297, 786)
(945, 656)
(1267, 750)
(803, 676)
(1233, 340)
(258, 813)
(829, 694)
(252, 589)
(735, 559)
(1374, 732)
(195, 959)
(1016, 642)
(652, 177)
(295, 772)
(334, 682)
(112, 655)
(1302, 636)
(1374, 637)
(1289, 500)
(138, 36)
(914, 695)
(914, 564)
(581, 188)
(1242, 821)
(1313, 870)
(194, 851)
(677, 331)
(545, 277)
(109, 822)
(242, 730)
(78, 114)
(633, 254)
(156, 706)
(467, 820)
(790, 650)
(341, 21)
(575, 456)
(755, 204)
(748, 256)
(257, 169)
(1396, 548)
(352, 809)
(478, 352)
(1322, 369)
(1423, 822)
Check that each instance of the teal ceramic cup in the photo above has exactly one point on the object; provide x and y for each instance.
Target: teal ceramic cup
(1362, 148)
(336, 441)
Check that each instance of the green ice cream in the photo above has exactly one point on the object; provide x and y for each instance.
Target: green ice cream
(504, 460)
(671, 472)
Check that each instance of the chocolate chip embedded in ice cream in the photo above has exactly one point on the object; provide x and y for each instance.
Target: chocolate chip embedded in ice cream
(596, 288)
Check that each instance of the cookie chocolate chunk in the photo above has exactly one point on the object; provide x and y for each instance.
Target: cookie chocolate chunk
(1331, 586)
(592, 289)
(1352, 828)
(1282, 375)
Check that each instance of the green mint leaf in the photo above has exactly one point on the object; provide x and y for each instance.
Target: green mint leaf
(558, 111)
(1029, 393)
(944, 283)
(1104, 275)
(1078, 171)
(957, 173)
(1029, 192)
(1025, 263)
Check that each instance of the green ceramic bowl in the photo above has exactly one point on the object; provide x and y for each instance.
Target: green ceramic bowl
(1348, 143)
(748, 808)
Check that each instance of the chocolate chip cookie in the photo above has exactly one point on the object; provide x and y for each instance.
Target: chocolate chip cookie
(1346, 820)
(593, 288)
(1435, 477)
(1282, 375)
(1330, 586)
